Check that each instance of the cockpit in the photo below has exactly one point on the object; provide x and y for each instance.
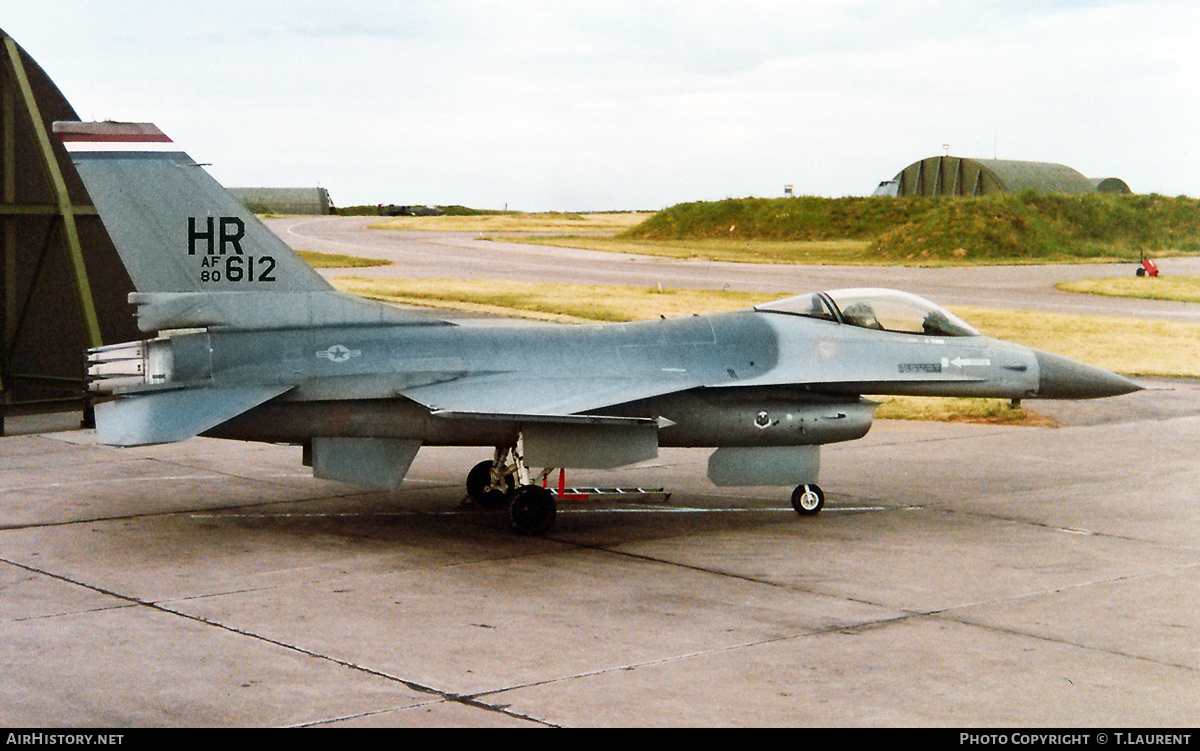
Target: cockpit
(880, 309)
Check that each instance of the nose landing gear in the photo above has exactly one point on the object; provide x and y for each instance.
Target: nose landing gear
(808, 500)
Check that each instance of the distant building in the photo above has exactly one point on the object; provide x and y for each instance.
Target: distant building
(313, 201)
(960, 176)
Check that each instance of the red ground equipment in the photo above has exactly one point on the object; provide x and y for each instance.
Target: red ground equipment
(1147, 267)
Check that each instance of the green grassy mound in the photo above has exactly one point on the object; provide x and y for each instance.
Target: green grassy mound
(1024, 227)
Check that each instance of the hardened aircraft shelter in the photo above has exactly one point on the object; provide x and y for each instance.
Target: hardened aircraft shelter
(960, 176)
(62, 286)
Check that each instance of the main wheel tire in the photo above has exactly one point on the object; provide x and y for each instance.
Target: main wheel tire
(531, 510)
(479, 490)
(808, 500)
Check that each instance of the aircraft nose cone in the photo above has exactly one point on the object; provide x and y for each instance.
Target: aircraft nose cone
(1064, 378)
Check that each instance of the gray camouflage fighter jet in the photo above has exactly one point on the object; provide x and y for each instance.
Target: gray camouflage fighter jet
(254, 345)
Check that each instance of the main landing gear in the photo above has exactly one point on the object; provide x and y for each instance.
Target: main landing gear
(504, 482)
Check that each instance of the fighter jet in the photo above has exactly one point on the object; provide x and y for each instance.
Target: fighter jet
(249, 343)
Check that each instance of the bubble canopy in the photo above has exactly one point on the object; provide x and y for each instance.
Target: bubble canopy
(880, 309)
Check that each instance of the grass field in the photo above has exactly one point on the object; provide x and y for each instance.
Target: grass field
(1122, 345)
(600, 232)
(813, 252)
(1024, 227)
(338, 261)
(1171, 288)
(568, 303)
(1009, 229)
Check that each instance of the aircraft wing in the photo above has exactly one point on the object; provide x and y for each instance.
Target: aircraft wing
(519, 393)
(556, 430)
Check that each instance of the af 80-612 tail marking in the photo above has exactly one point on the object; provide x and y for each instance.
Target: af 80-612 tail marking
(237, 269)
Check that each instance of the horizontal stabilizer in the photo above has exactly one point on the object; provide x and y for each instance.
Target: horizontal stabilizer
(168, 416)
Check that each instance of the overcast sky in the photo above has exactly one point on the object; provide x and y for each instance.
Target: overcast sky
(631, 104)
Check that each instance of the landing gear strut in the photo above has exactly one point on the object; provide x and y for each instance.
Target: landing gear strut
(808, 500)
(489, 490)
(505, 483)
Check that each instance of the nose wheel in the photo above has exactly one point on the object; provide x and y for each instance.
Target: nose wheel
(808, 500)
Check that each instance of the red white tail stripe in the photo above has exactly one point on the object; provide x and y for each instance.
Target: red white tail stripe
(110, 136)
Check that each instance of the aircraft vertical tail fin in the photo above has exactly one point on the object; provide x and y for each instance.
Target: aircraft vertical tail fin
(191, 248)
(176, 228)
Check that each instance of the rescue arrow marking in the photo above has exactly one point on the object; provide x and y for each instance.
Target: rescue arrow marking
(964, 362)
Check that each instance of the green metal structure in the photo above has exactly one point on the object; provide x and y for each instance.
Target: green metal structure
(303, 201)
(62, 287)
(960, 176)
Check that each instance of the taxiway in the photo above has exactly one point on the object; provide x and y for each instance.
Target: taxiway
(960, 575)
(465, 255)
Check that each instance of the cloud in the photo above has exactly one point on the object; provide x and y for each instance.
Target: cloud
(579, 105)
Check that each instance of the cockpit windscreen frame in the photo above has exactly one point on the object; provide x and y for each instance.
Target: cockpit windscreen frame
(878, 309)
